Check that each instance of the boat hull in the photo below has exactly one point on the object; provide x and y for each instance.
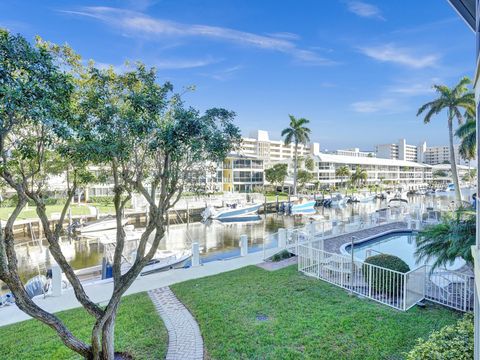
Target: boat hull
(231, 213)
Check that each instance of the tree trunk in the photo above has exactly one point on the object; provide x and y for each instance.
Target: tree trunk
(453, 162)
(108, 337)
(295, 170)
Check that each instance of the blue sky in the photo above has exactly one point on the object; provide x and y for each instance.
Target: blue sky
(357, 70)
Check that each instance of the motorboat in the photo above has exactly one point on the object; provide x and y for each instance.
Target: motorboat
(398, 199)
(230, 211)
(301, 207)
(250, 218)
(366, 198)
(110, 236)
(165, 260)
(338, 199)
(106, 223)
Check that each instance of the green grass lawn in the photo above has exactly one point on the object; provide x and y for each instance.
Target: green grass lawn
(281, 197)
(139, 331)
(307, 318)
(30, 213)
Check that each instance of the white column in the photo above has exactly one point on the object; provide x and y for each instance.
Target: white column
(195, 254)
(56, 281)
(243, 245)
(282, 238)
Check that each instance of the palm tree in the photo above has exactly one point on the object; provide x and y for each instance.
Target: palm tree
(297, 133)
(444, 242)
(468, 137)
(359, 176)
(342, 172)
(452, 100)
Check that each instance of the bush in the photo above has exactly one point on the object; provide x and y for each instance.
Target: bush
(284, 254)
(453, 342)
(389, 283)
(103, 200)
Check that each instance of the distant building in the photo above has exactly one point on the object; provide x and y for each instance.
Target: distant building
(401, 151)
(354, 152)
(259, 145)
(408, 174)
(441, 155)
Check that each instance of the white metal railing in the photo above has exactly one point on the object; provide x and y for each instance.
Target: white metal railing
(450, 288)
(389, 287)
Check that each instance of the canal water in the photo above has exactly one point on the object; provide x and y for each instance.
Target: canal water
(217, 240)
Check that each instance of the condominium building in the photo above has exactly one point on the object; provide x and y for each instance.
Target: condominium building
(354, 152)
(240, 173)
(408, 174)
(401, 151)
(441, 154)
(259, 145)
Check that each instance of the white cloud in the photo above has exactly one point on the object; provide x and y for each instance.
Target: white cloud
(171, 64)
(138, 24)
(412, 89)
(402, 56)
(224, 74)
(384, 105)
(364, 9)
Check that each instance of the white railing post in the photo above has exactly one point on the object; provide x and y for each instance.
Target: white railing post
(370, 281)
(282, 238)
(404, 276)
(195, 254)
(243, 245)
(56, 281)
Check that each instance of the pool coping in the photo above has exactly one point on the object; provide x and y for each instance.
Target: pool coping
(343, 251)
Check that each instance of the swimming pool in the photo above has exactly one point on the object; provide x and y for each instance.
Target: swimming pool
(401, 244)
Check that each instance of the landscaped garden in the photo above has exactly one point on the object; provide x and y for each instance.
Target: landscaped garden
(139, 331)
(255, 314)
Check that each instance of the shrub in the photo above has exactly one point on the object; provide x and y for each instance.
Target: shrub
(284, 254)
(385, 282)
(453, 342)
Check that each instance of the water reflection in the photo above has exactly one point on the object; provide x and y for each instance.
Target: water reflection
(216, 239)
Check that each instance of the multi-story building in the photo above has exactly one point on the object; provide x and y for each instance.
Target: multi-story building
(401, 151)
(240, 173)
(259, 145)
(441, 155)
(409, 174)
(469, 10)
(354, 152)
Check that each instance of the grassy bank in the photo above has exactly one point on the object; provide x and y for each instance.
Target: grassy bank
(30, 212)
(139, 331)
(306, 318)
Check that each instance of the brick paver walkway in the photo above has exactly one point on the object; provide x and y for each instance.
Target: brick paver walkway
(184, 339)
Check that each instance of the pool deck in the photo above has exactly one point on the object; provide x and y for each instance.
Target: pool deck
(333, 244)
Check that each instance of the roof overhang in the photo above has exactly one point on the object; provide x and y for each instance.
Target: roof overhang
(466, 9)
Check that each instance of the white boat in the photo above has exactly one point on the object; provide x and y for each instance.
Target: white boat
(110, 236)
(106, 223)
(231, 211)
(338, 199)
(165, 260)
(366, 198)
(303, 206)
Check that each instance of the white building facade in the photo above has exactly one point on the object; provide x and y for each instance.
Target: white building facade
(259, 145)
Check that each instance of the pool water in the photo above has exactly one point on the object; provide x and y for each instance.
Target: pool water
(400, 244)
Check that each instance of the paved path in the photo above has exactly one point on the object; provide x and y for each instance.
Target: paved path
(184, 339)
(101, 291)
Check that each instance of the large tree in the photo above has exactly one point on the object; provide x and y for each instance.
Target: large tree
(454, 101)
(297, 133)
(137, 129)
(276, 174)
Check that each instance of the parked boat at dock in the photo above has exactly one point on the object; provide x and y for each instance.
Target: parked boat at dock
(231, 211)
(106, 223)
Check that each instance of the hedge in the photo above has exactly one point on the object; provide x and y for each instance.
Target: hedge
(385, 282)
(452, 342)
